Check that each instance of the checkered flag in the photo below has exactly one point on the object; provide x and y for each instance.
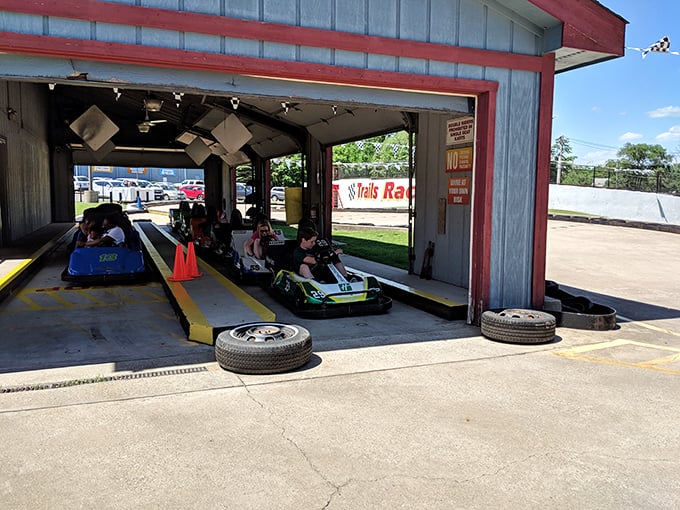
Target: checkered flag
(663, 45)
(352, 189)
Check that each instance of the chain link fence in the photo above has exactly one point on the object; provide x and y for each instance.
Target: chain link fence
(665, 181)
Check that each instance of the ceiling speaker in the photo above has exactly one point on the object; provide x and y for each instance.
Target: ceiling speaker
(231, 133)
(94, 128)
(198, 151)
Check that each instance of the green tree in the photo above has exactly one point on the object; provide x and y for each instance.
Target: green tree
(643, 156)
(561, 159)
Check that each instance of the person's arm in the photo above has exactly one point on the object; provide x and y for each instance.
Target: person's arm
(96, 242)
(248, 247)
(257, 249)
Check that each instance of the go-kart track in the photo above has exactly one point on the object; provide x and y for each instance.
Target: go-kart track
(49, 322)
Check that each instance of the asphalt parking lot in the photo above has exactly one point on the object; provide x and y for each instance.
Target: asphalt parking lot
(401, 410)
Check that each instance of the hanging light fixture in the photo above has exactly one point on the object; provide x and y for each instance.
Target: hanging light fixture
(153, 104)
(235, 101)
(178, 98)
(285, 105)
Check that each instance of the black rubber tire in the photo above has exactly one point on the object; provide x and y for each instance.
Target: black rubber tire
(263, 348)
(199, 198)
(518, 326)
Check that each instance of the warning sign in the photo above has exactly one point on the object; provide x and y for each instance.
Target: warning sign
(459, 190)
(460, 130)
(459, 160)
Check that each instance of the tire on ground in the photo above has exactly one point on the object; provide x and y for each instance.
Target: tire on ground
(263, 348)
(518, 326)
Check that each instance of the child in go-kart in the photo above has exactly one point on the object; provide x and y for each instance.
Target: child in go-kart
(256, 245)
(308, 262)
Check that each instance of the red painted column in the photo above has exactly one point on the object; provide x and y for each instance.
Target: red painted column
(480, 263)
(545, 111)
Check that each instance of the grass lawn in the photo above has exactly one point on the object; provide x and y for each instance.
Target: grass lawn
(388, 247)
(81, 206)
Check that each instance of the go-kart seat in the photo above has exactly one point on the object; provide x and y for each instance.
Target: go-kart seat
(280, 255)
(133, 241)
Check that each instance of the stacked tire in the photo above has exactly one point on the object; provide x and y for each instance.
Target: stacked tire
(519, 326)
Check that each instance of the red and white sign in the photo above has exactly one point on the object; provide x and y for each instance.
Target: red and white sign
(371, 193)
(460, 130)
(459, 160)
(459, 190)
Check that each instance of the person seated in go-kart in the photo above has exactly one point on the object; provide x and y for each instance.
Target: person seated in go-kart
(309, 262)
(257, 244)
(113, 234)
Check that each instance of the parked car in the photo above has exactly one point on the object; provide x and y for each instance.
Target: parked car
(105, 186)
(277, 194)
(143, 183)
(80, 183)
(189, 182)
(170, 192)
(242, 191)
(193, 191)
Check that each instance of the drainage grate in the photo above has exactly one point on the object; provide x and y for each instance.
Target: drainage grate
(100, 379)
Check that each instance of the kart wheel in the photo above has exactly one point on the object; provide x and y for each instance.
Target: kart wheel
(518, 326)
(199, 197)
(274, 198)
(263, 348)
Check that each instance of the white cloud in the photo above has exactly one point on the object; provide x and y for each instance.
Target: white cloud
(672, 135)
(597, 109)
(627, 137)
(666, 111)
(596, 157)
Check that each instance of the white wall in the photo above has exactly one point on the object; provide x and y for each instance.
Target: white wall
(619, 204)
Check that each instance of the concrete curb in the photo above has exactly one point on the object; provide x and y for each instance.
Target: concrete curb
(598, 220)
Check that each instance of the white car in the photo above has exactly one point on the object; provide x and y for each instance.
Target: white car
(105, 186)
(80, 182)
(143, 183)
(277, 194)
(170, 192)
(191, 182)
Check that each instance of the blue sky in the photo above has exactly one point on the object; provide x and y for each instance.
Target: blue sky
(629, 99)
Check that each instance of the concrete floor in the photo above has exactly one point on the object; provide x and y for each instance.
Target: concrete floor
(393, 411)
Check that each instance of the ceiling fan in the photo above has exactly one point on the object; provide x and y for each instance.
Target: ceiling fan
(146, 124)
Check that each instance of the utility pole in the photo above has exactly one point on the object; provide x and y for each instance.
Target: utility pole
(561, 142)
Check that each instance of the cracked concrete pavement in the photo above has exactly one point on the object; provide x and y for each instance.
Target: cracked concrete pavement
(458, 421)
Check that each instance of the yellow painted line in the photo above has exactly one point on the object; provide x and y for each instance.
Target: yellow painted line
(89, 296)
(655, 328)
(200, 329)
(577, 353)
(662, 361)
(262, 311)
(31, 304)
(409, 289)
(265, 313)
(59, 299)
(14, 272)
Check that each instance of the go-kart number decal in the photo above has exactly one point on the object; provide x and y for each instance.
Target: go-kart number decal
(108, 257)
(317, 294)
(345, 287)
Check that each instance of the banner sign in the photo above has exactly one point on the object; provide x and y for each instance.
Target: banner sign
(371, 193)
(459, 160)
(460, 130)
(459, 190)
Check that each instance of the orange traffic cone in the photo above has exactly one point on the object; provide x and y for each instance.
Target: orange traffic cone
(179, 273)
(192, 265)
